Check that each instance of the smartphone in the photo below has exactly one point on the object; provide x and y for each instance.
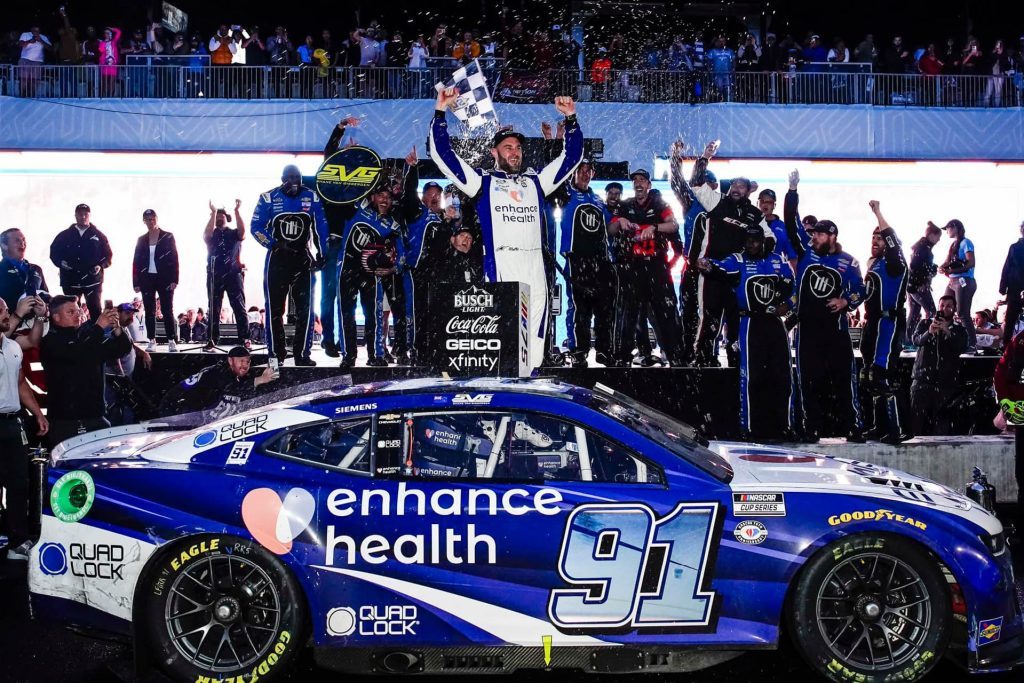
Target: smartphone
(108, 304)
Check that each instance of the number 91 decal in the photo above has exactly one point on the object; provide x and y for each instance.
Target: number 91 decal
(630, 570)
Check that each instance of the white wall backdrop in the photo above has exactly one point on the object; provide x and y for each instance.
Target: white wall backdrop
(39, 190)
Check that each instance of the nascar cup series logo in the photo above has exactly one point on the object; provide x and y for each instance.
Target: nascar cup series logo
(348, 175)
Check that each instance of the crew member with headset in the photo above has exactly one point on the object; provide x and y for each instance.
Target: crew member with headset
(828, 286)
(763, 282)
(286, 221)
(885, 327)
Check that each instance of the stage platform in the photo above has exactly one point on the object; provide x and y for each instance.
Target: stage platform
(705, 397)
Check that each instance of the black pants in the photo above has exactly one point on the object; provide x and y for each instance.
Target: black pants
(217, 285)
(765, 376)
(394, 290)
(690, 314)
(880, 346)
(92, 297)
(353, 283)
(648, 281)
(827, 374)
(929, 409)
(715, 303)
(288, 271)
(589, 296)
(420, 279)
(151, 289)
(15, 472)
(1013, 306)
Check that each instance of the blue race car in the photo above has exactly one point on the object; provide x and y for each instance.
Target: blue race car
(488, 526)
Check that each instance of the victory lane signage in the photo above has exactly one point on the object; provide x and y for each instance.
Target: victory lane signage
(348, 175)
(480, 329)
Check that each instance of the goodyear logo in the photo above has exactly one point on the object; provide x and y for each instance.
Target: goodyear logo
(349, 175)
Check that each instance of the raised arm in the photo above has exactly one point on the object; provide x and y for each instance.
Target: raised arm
(798, 238)
(681, 189)
(707, 196)
(895, 261)
(239, 221)
(464, 176)
(561, 167)
(210, 224)
(338, 133)
(411, 206)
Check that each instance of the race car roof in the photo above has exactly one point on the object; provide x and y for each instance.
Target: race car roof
(543, 386)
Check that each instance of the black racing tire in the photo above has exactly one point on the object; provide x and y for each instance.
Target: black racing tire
(871, 608)
(221, 607)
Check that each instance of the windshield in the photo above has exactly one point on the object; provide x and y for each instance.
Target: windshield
(674, 435)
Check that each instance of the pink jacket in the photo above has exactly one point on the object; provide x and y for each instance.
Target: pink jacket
(109, 53)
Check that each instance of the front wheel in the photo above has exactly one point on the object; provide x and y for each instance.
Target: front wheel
(222, 607)
(871, 608)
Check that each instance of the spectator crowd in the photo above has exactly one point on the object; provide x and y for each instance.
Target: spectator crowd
(691, 64)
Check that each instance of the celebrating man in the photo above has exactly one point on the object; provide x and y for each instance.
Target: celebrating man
(509, 203)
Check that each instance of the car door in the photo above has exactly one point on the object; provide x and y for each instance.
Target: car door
(515, 526)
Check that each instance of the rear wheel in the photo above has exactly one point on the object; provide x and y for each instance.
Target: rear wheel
(871, 608)
(221, 607)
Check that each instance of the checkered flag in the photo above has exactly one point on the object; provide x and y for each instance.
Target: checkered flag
(475, 108)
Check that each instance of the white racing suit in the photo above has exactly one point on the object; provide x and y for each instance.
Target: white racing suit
(510, 209)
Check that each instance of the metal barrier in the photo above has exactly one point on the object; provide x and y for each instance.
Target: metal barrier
(816, 84)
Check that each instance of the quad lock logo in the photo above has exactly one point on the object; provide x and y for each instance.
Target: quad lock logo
(232, 432)
(86, 560)
(374, 620)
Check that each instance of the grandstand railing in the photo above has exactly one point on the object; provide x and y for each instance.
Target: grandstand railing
(815, 84)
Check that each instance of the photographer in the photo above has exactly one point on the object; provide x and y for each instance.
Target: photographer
(959, 266)
(940, 341)
(73, 358)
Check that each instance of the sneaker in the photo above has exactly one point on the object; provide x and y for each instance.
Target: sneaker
(151, 346)
(332, 350)
(346, 364)
(896, 439)
(604, 359)
(389, 358)
(172, 346)
(377, 362)
(210, 347)
(21, 552)
(855, 436)
(404, 360)
(304, 362)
